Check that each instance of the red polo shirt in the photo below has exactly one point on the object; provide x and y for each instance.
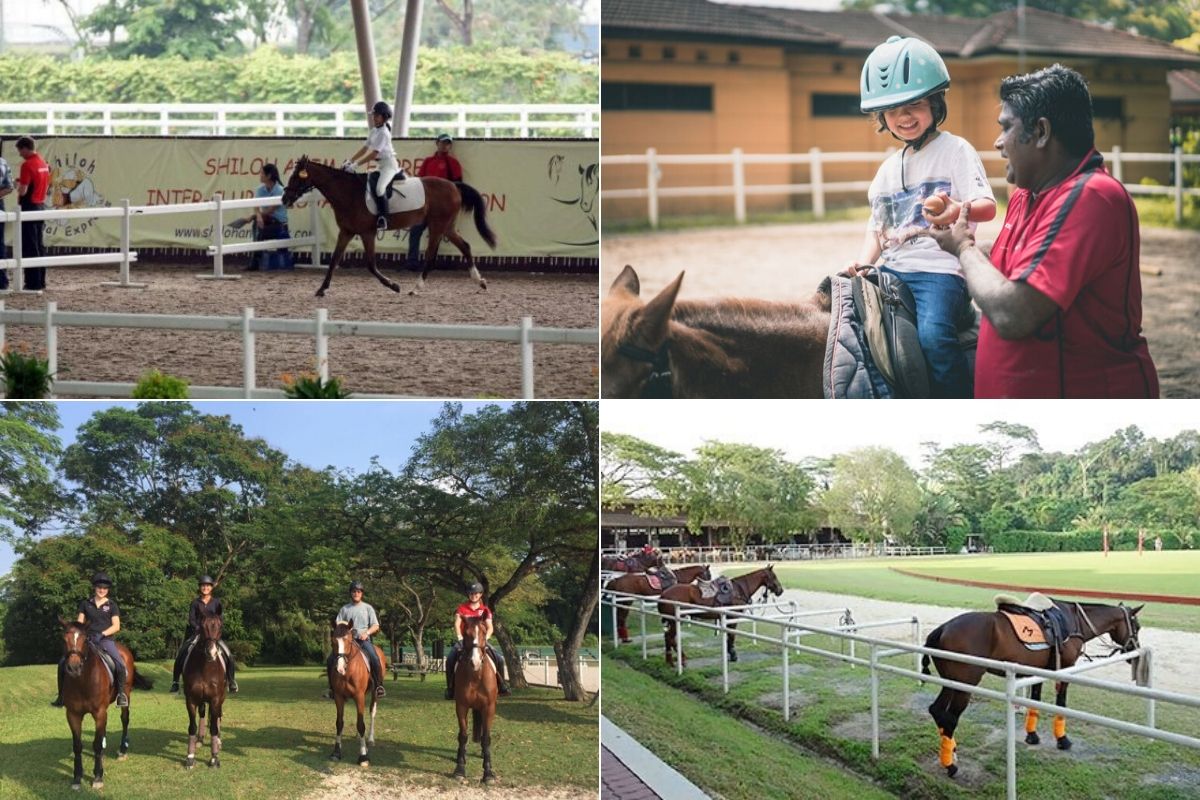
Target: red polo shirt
(36, 175)
(1078, 244)
(441, 165)
(465, 611)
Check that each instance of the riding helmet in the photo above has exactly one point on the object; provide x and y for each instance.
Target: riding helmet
(445, 137)
(902, 70)
(357, 585)
(206, 579)
(102, 579)
(475, 588)
(382, 109)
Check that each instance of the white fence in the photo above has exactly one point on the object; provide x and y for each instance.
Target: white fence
(879, 649)
(243, 119)
(817, 187)
(783, 552)
(320, 328)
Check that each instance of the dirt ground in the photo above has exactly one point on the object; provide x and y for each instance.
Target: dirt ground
(786, 262)
(423, 368)
(347, 785)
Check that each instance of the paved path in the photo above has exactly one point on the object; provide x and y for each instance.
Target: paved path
(628, 771)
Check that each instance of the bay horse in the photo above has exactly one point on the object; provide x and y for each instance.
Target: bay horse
(88, 689)
(475, 690)
(204, 686)
(637, 562)
(345, 191)
(744, 589)
(639, 583)
(350, 677)
(712, 348)
(989, 634)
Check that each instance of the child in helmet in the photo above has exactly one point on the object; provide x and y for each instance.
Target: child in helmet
(103, 620)
(904, 83)
(474, 607)
(379, 149)
(206, 603)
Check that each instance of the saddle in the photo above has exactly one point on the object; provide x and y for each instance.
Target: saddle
(719, 587)
(660, 578)
(404, 193)
(195, 640)
(1037, 622)
(106, 660)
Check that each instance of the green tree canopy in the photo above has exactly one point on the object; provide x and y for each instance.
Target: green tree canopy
(874, 495)
(30, 494)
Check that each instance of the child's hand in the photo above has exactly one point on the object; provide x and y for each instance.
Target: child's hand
(857, 268)
(940, 211)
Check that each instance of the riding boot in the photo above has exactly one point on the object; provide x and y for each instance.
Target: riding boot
(380, 202)
(498, 662)
(380, 692)
(451, 661)
(178, 669)
(120, 677)
(229, 668)
(58, 701)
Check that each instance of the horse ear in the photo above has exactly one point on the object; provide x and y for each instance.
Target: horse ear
(1133, 612)
(627, 282)
(657, 313)
(63, 621)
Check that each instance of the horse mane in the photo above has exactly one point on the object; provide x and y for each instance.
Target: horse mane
(741, 316)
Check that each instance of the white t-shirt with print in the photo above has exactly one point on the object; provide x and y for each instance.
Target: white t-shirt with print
(380, 139)
(948, 163)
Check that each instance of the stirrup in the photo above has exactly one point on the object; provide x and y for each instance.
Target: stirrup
(174, 688)
(121, 696)
(233, 687)
(380, 692)
(382, 223)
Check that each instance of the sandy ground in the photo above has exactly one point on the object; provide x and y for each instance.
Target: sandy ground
(348, 785)
(395, 366)
(786, 262)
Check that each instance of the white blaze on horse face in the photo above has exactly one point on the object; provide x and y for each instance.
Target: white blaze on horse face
(476, 660)
(341, 662)
(212, 651)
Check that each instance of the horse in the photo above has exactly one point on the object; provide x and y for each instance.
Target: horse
(204, 686)
(88, 689)
(444, 200)
(635, 562)
(713, 348)
(475, 690)
(744, 588)
(991, 635)
(350, 677)
(639, 583)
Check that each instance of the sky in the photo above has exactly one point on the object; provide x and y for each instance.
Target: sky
(343, 434)
(803, 429)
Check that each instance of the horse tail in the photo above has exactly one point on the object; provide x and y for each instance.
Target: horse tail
(934, 639)
(140, 681)
(476, 725)
(473, 201)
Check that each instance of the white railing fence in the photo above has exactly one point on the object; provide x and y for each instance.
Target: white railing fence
(320, 328)
(879, 649)
(294, 119)
(818, 188)
(783, 552)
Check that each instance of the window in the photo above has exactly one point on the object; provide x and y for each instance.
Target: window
(734, 57)
(835, 105)
(655, 97)
(635, 51)
(1108, 107)
(668, 53)
(702, 55)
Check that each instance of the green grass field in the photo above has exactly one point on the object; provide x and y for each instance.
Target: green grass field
(277, 737)
(1170, 572)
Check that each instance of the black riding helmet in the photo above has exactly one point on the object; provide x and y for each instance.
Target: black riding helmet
(206, 579)
(102, 579)
(474, 588)
(382, 109)
(357, 585)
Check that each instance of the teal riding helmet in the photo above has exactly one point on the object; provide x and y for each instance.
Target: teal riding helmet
(901, 70)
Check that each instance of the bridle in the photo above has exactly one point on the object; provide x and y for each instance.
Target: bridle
(658, 385)
(82, 652)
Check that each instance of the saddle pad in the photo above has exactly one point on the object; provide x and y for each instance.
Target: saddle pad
(106, 660)
(407, 195)
(708, 589)
(655, 582)
(1027, 630)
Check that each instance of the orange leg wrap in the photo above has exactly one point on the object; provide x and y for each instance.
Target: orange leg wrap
(946, 756)
(1060, 727)
(1031, 720)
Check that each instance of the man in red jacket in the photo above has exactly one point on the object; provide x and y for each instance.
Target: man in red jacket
(439, 165)
(32, 185)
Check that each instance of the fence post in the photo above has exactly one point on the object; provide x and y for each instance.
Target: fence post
(51, 342)
(322, 345)
(2, 332)
(1010, 727)
(724, 656)
(1150, 721)
(787, 702)
(616, 637)
(126, 239)
(18, 281)
(218, 273)
(916, 623)
(526, 358)
(874, 705)
(546, 670)
(1178, 184)
(1118, 165)
(652, 176)
(739, 186)
(642, 610)
(248, 376)
(817, 172)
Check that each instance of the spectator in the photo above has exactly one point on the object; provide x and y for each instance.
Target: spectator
(439, 165)
(269, 222)
(32, 186)
(6, 188)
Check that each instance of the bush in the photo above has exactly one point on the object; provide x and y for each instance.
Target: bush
(1083, 541)
(24, 377)
(153, 385)
(311, 387)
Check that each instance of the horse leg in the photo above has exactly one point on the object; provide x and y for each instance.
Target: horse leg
(460, 769)
(200, 725)
(729, 643)
(98, 743)
(622, 631)
(435, 231)
(340, 702)
(214, 734)
(669, 641)
(1031, 717)
(371, 729)
(1060, 722)
(488, 774)
(359, 701)
(465, 248)
(124, 752)
(335, 259)
(369, 250)
(75, 721)
(958, 704)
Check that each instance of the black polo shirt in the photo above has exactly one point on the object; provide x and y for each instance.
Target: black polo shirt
(199, 609)
(99, 619)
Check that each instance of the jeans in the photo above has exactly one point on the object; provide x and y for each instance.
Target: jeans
(941, 299)
(414, 242)
(372, 658)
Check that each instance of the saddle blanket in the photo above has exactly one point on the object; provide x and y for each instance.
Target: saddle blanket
(406, 195)
(1028, 631)
(655, 582)
(720, 587)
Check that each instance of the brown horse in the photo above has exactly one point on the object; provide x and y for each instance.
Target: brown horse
(991, 635)
(635, 562)
(639, 583)
(204, 686)
(88, 689)
(744, 588)
(350, 677)
(444, 200)
(475, 691)
(717, 348)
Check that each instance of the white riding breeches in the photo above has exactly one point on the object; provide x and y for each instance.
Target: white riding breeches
(388, 167)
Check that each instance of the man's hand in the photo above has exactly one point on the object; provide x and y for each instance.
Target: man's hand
(954, 238)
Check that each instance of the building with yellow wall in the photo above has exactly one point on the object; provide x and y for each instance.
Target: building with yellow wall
(693, 76)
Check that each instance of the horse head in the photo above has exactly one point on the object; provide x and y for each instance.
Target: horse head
(343, 642)
(706, 573)
(299, 184)
(1125, 634)
(75, 646)
(473, 631)
(772, 581)
(633, 347)
(589, 190)
(210, 630)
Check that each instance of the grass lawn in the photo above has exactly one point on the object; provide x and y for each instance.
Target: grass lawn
(277, 737)
(1169, 572)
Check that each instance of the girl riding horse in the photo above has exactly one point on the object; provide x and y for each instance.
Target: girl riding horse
(103, 620)
(475, 691)
(379, 149)
(473, 608)
(206, 604)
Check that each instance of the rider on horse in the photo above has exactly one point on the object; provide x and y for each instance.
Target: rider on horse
(206, 603)
(379, 149)
(474, 607)
(362, 618)
(103, 619)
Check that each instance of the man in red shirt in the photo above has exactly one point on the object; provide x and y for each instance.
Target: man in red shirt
(1061, 295)
(439, 165)
(32, 185)
(474, 607)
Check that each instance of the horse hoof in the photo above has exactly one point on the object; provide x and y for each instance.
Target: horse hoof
(335, 756)
(1064, 743)
(412, 292)
(394, 287)
(97, 784)
(732, 657)
(483, 285)
(1032, 738)
(364, 764)
(122, 756)
(487, 779)
(75, 787)
(952, 770)
(189, 763)
(320, 292)
(460, 773)
(215, 763)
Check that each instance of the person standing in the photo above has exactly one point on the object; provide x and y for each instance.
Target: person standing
(268, 222)
(6, 188)
(32, 186)
(439, 165)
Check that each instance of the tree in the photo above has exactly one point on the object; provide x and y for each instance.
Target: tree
(636, 471)
(193, 29)
(30, 494)
(526, 24)
(874, 494)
